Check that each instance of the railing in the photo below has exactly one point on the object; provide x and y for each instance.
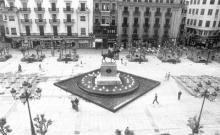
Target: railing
(147, 13)
(68, 21)
(124, 24)
(135, 25)
(39, 9)
(157, 13)
(136, 13)
(27, 10)
(156, 25)
(113, 11)
(53, 10)
(168, 14)
(167, 26)
(68, 10)
(26, 21)
(40, 21)
(146, 25)
(125, 12)
(56, 21)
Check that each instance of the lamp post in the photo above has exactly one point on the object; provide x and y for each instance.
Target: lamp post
(206, 94)
(25, 94)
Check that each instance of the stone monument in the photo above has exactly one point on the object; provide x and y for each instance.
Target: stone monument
(108, 74)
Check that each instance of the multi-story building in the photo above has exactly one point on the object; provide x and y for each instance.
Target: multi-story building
(105, 22)
(203, 22)
(50, 20)
(148, 20)
(2, 29)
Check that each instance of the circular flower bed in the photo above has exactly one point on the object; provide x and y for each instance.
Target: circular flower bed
(87, 83)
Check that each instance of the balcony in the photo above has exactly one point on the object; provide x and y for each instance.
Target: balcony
(166, 26)
(54, 21)
(156, 36)
(136, 13)
(124, 35)
(147, 14)
(145, 36)
(82, 10)
(68, 21)
(40, 21)
(10, 9)
(125, 13)
(124, 24)
(25, 10)
(68, 10)
(157, 14)
(168, 14)
(135, 25)
(97, 11)
(135, 36)
(146, 25)
(39, 10)
(113, 11)
(26, 21)
(54, 10)
(157, 25)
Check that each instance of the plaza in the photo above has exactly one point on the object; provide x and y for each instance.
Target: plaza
(141, 116)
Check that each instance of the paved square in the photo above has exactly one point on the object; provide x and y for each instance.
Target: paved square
(112, 103)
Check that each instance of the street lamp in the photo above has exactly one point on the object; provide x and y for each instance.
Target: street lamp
(210, 96)
(25, 94)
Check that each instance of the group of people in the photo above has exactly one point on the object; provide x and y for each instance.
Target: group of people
(156, 97)
(20, 68)
(126, 132)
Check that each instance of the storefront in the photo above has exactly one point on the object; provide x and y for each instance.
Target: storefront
(83, 43)
(98, 43)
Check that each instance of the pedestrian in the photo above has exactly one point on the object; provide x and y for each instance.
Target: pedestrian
(127, 131)
(168, 76)
(155, 99)
(19, 68)
(121, 60)
(179, 95)
(40, 68)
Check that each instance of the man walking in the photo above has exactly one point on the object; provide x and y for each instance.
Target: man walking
(168, 76)
(19, 68)
(155, 99)
(179, 95)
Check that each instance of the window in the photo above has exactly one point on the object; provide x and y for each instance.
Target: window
(105, 19)
(82, 18)
(191, 2)
(210, 12)
(53, 6)
(214, 24)
(68, 17)
(83, 31)
(188, 21)
(207, 24)
(204, 2)
(13, 31)
(54, 16)
(82, 6)
(41, 29)
(55, 33)
(219, 24)
(26, 16)
(216, 12)
(7, 30)
(202, 12)
(11, 18)
(198, 2)
(191, 22)
(135, 20)
(167, 1)
(194, 22)
(69, 30)
(190, 11)
(96, 5)
(157, 20)
(105, 6)
(125, 20)
(212, 1)
(218, 2)
(146, 20)
(167, 21)
(194, 1)
(27, 28)
(39, 6)
(40, 16)
(24, 4)
(11, 4)
(193, 11)
(171, 1)
(113, 6)
(161, 1)
(197, 11)
(200, 22)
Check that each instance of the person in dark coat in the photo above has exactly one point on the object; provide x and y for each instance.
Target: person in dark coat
(19, 68)
(179, 95)
(155, 99)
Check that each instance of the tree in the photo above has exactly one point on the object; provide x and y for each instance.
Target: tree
(42, 124)
(4, 129)
(193, 123)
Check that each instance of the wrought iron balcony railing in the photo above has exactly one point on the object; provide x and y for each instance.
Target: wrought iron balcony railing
(53, 10)
(68, 10)
(40, 21)
(39, 10)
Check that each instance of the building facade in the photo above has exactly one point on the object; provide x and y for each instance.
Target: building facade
(2, 21)
(105, 22)
(50, 21)
(203, 22)
(148, 20)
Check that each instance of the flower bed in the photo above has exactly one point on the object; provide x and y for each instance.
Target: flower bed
(32, 58)
(5, 57)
